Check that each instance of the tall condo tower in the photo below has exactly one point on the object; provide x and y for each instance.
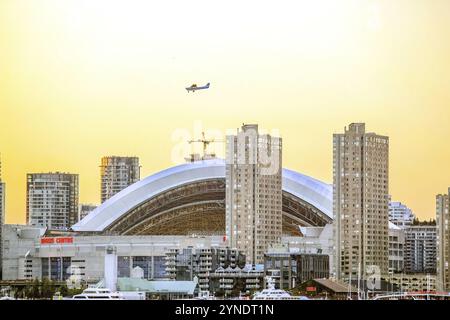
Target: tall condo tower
(117, 173)
(360, 202)
(253, 192)
(443, 241)
(52, 200)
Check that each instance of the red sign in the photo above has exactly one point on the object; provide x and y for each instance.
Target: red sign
(310, 289)
(60, 240)
(47, 240)
(64, 240)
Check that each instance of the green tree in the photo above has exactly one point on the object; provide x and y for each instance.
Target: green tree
(74, 291)
(47, 288)
(19, 293)
(34, 290)
(64, 290)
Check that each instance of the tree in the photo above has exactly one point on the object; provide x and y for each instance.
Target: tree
(47, 289)
(74, 291)
(64, 290)
(417, 222)
(34, 291)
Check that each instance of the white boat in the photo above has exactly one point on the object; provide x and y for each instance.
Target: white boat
(275, 294)
(98, 294)
(106, 294)
(205, 295)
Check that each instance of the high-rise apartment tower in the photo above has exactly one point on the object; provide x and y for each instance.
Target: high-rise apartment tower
(117, 173)
(253, 192)
(52, 200)
(443, 241)
(360, 202)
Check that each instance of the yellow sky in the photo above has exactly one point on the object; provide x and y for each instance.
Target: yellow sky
(83, 79)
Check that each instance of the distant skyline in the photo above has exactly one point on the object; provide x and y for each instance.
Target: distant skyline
(81, 80)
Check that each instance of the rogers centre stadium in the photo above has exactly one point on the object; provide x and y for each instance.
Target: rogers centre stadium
(175, 210)
(190, 199)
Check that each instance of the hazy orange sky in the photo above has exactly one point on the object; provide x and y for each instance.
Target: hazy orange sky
(84, 79)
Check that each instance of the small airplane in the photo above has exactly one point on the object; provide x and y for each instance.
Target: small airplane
(194, 87)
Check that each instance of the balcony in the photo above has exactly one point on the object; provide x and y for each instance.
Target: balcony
(226, 286)
(223, 280)
(252, 281)
(204, 268)
(252, 286)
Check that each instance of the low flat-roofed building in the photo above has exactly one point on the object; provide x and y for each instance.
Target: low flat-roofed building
(288, 269)
(235, 281)
(188, 263)
(158, 289)
(412, 282)
(332, 288)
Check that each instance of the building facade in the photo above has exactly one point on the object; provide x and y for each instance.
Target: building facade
(30, 252)
(410, 282)
(253, 192)
(187, 263)
(117, 173)
(235, 281)
(52, 200)
(396, 249)
(443, 240)
(360, 201)
(400, 214)
(289, 269)
(420, 249)
(84, 210)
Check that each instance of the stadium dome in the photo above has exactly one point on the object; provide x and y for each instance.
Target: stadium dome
(190, 199)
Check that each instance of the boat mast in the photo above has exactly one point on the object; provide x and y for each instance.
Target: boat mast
(359, 280)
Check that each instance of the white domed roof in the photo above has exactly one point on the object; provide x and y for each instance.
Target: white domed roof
(312, 191)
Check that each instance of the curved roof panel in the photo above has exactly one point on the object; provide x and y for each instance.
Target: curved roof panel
(312, 191)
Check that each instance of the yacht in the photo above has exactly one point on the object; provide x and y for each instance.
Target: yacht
(95, 293)
(275, 294)
(98, 294)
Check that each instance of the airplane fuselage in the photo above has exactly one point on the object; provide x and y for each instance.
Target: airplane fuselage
(194, 88)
